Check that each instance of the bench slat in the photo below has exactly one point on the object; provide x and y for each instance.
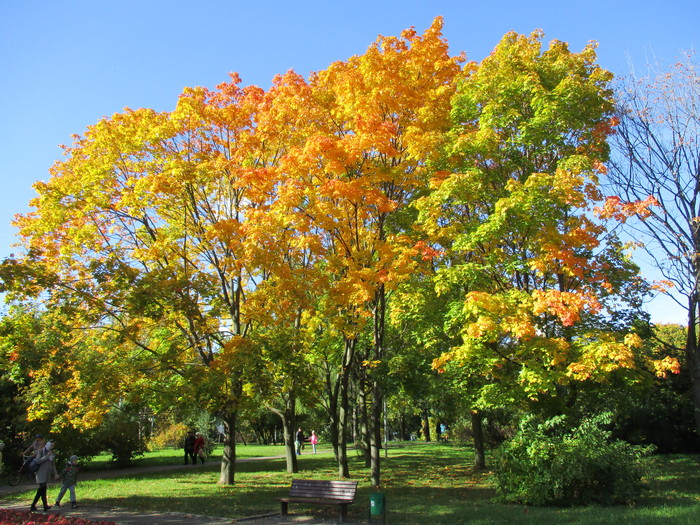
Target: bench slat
(318, 493)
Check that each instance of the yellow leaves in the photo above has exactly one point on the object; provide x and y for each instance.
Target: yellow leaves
(493, 315)
(494, 319)
(439, 363)
(391, 100)
(600, 353)
(663, 367)
(632, 341)
(289, 200)
(559, 352)
(358, 191)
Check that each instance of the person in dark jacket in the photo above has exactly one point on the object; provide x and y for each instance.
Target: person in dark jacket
(299, 441)
(189, 447)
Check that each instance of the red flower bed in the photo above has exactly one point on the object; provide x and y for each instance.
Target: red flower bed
(23, 517)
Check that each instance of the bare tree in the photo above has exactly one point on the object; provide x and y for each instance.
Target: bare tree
(656, 152)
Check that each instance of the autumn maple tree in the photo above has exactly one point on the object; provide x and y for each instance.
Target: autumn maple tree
(143, 226)
(512, 211)
(361, 162)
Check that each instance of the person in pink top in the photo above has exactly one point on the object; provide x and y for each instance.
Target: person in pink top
(313, 440)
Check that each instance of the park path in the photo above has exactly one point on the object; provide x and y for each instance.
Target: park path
(126, 517)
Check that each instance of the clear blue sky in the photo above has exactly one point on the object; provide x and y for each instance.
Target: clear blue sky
(67, 63)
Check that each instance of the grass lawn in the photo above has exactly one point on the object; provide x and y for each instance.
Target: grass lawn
(424, 483)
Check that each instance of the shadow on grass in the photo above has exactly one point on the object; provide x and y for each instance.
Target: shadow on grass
(673, 481)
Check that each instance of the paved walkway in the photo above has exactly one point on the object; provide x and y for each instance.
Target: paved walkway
(126, 517)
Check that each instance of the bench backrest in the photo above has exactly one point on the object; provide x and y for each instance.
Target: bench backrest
(325, 489)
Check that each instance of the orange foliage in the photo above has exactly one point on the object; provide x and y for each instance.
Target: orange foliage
(619, 210)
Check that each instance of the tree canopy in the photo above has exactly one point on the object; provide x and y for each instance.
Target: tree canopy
(229, 248)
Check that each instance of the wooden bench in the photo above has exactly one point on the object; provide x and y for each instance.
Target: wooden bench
(321, 492)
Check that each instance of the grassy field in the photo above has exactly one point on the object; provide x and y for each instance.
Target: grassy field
(423, 483)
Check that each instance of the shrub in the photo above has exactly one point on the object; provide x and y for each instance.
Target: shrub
(170, 436)
(120, 434)
(548, 464)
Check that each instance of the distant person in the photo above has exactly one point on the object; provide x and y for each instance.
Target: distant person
(443, 432)
(69, 474)
(47, 467)
(313, 440)
(35, 447)
(299, 441)
(189, 447)
(30, 454)
(199, 447)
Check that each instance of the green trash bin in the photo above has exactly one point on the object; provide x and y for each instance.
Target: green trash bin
(377, 505)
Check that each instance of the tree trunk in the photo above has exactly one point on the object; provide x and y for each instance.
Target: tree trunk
(228, 461)
(692, 350)
(426, 425)
(363, 436)
(343, 405)
(333, 392)
(478, 433)
(289, 424)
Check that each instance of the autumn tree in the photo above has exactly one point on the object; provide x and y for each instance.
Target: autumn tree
(143, 227)
(383, 113)
(511, 212)
(26, 339)
(657, 156)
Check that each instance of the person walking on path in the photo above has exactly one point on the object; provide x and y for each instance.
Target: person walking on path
(299, 441)
(47, 467)
(189, 447)
(198, 448)
(69, 474)
(313, 440)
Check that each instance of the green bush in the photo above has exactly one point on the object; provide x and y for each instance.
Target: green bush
(550, 464)
(120, 435)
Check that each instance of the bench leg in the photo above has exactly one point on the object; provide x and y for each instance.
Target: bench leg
(283, 508)
(343, 513)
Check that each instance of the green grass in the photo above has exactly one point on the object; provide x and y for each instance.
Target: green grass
(423, 483)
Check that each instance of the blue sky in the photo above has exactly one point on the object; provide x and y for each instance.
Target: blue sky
(66, 64)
